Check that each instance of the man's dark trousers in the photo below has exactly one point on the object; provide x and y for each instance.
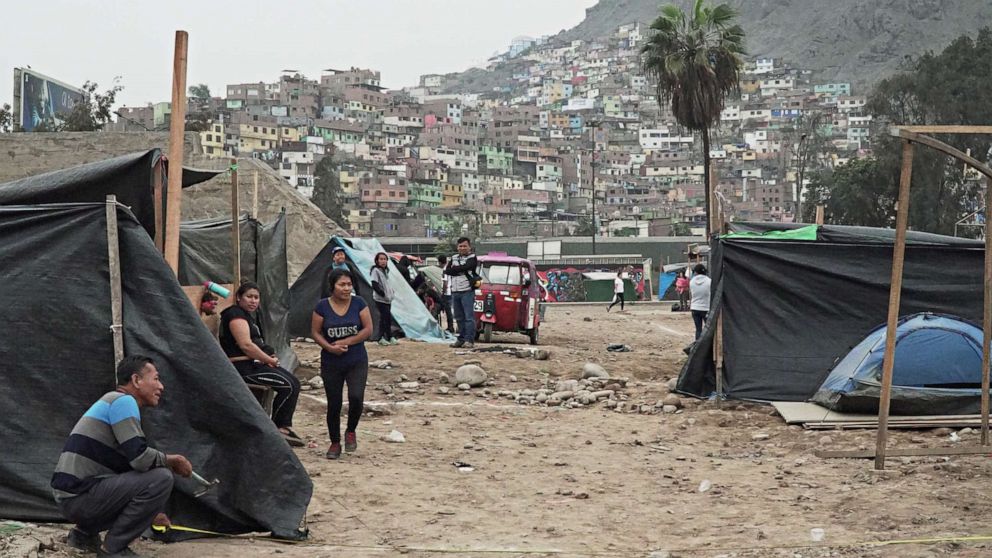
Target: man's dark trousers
(464, 303)
(124, 505)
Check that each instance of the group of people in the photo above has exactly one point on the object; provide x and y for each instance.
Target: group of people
(109, 479)
(693, 287)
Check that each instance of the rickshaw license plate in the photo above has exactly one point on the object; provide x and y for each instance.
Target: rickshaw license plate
(477, 306)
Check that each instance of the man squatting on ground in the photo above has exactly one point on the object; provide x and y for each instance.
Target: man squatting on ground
(108, 478)
(462, 271)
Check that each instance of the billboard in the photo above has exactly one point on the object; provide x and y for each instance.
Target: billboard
(40, 101)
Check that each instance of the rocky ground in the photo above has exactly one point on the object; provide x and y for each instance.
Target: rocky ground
(539, 461)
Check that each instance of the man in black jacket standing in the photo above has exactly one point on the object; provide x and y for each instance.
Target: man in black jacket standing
(462, 273)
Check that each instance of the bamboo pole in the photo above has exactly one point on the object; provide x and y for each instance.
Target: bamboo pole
(895, 293)
(235, 224)
(987, 315)
(158, 175)
(114, 263)
(177, 127)
(819, 214)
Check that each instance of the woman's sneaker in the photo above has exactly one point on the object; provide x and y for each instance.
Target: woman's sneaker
(394, 341)
(350, 442)
(334, 452)
(383, 342)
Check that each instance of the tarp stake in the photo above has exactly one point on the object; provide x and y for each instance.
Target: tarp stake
(114, 263)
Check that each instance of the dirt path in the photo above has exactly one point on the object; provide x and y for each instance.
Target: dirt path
(591, 481)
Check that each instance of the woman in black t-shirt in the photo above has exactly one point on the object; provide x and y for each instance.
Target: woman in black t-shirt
(242, 341)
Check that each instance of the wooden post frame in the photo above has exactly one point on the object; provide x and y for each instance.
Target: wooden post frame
(114, 263)
(909, 136)
(235, 225)
(987, 315)
(895, 293)
(177, 127)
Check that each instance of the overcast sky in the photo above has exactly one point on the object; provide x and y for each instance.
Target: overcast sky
(251, 40)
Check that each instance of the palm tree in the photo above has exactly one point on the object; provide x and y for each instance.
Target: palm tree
(696, 60)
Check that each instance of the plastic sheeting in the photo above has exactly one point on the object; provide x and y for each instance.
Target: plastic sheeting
(58, 359)
(205, 255)
(129, 177)
(938, 369)
(792, 308)
(409, 313)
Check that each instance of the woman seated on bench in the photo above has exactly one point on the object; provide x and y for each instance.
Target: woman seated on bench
(242, 341)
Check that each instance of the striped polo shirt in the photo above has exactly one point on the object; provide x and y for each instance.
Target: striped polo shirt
(106, 441)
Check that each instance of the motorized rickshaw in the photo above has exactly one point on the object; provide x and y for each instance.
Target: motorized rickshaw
(509, 298)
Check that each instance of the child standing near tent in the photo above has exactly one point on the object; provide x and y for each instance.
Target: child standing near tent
(682, 287)
(700, 305)
(340, 325)
(383, 296)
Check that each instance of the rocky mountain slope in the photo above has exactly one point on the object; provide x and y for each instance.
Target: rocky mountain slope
(861, 41)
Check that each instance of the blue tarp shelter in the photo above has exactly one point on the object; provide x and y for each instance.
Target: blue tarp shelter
(938, 369)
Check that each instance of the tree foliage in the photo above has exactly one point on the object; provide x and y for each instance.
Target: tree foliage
(201, 91)
(584, 226)
(696, 60)
(327, 193)
(93, 112)
(6, 118)
(947, 88)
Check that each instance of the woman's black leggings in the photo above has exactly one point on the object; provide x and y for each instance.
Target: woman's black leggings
(335, 376)
(283, 382)
(385, 320)
(617, 298)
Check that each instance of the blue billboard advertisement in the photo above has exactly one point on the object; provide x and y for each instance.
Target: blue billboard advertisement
(43, 101)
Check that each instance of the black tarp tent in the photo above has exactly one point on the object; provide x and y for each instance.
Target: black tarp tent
(205, 254)
(58, 359)
(791, 308)
(129, 177)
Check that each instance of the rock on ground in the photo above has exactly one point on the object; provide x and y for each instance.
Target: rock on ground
(471, 374)
(593, 370)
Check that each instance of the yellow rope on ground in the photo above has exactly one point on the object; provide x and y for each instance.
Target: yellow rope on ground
(592, 553)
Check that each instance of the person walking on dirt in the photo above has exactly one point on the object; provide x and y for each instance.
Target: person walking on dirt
(108, 478)
(617, 292)
(442, 262)
(682, 288)
(383, 296)
(464, 280)
(700, 305)
(340, 325)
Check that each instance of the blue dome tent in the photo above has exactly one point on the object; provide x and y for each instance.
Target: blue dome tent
(938, 369)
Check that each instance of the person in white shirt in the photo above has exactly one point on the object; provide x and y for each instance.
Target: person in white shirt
(699, 287)
(442, 262)
(617, 292)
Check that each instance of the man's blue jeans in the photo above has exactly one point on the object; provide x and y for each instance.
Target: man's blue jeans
(465, 314)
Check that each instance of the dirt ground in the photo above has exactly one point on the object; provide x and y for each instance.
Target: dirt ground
(591, 481)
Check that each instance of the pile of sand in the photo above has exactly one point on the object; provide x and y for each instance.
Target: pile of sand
(307, 228)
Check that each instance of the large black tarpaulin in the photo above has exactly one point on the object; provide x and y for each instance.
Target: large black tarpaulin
(791, 308)
(205, 254)
(58, 359)
(129, 177)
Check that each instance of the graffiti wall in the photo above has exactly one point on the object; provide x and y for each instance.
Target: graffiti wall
(569, 285)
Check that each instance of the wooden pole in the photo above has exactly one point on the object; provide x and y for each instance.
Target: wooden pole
(895, 293)
(819, 214)
(114, 263)
(714, 216)
(254, 197)
(158, 189)
(987, 315)
(235, 224)
(177, 127)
